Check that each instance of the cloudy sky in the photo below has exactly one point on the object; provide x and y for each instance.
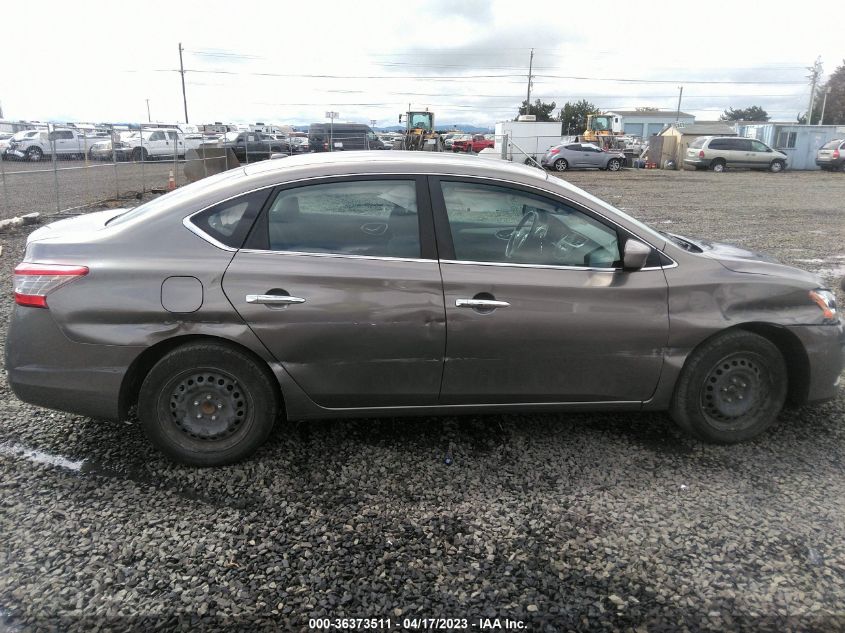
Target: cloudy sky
(467, 60)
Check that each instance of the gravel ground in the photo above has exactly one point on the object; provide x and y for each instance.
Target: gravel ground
(560, 522)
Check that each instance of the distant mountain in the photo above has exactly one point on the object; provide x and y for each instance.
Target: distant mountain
(465, 127)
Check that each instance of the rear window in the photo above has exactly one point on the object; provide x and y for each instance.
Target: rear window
(699, 142)
(230, 221)
(832, 144)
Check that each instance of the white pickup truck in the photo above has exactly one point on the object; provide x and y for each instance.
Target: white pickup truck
(36, 144)
(145, 144)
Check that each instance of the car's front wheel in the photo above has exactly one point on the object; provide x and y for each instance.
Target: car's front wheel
(614, 164)
(34, 154)
(777, 166)
(207, 404)
(731, 389)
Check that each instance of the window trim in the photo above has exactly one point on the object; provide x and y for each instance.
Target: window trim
(425, 225)
(434, 241)
(446, 247)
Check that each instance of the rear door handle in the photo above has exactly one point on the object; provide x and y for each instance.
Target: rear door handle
(276, 300)
(480, 303)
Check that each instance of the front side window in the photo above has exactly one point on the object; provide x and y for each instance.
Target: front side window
(375, 218)
(757, 146)
(491, 223)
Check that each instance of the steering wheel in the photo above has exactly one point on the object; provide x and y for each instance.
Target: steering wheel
(519, 236)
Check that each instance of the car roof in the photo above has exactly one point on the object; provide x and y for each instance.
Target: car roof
(395, 161)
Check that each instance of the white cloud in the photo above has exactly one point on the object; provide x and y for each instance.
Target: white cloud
(100, 61)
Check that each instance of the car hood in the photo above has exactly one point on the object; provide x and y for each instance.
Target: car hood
(742, 260)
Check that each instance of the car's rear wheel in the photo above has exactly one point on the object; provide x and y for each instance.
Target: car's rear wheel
(718, 165)
(776, 167)
(614, 164)
(731, 389)
(34, 154)
(140, 154)
(207, 404)
(561, 165)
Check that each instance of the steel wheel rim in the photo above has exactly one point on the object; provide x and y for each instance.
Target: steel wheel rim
(35, 154)
(208, 404)
(718, 167)
(776, 167)
(560, 165)
(613, 165)
(734, 389)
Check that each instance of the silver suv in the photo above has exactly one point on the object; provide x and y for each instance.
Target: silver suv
(831, 155)
(720, 152)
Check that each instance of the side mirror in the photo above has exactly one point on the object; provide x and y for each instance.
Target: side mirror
(635, 255)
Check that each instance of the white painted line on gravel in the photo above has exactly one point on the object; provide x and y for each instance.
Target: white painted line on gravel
(10, 449)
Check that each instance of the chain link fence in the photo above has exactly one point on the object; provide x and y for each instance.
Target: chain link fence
(57, 169)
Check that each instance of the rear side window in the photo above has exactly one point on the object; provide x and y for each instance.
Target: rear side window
(720, 143)
(699, 142)
(229, 222)
(375, 218)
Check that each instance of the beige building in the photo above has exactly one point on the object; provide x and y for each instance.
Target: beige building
(671, 144)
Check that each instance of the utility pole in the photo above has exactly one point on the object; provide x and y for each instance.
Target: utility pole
(530, 77)
(678, 111)
(149, 118)
(815, 73)
(824, 103)
(182, 72)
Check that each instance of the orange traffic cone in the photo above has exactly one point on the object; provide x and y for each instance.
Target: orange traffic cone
(171, 182)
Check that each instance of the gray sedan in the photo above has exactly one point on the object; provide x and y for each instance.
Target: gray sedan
(325, 285)
(581, 156)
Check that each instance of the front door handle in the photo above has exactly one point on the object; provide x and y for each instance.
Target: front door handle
(274, 300)
(481, 303)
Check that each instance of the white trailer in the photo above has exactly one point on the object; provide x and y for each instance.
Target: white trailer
(527, 139)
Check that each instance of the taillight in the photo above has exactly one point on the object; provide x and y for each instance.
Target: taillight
(701, 153)
(554, 151)
(33, 282)
(836, 153)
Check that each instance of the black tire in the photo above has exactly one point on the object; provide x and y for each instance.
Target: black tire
(777, 166)
(208, 404)
(469, 149)
(140, 154)
(34, 154)
(614, 164)
(718, 165)
(841, 168)
(731, 388)
(561, 165)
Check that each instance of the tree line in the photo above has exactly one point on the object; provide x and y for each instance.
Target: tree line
(573, 115)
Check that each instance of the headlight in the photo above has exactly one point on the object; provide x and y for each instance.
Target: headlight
(826, 300)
